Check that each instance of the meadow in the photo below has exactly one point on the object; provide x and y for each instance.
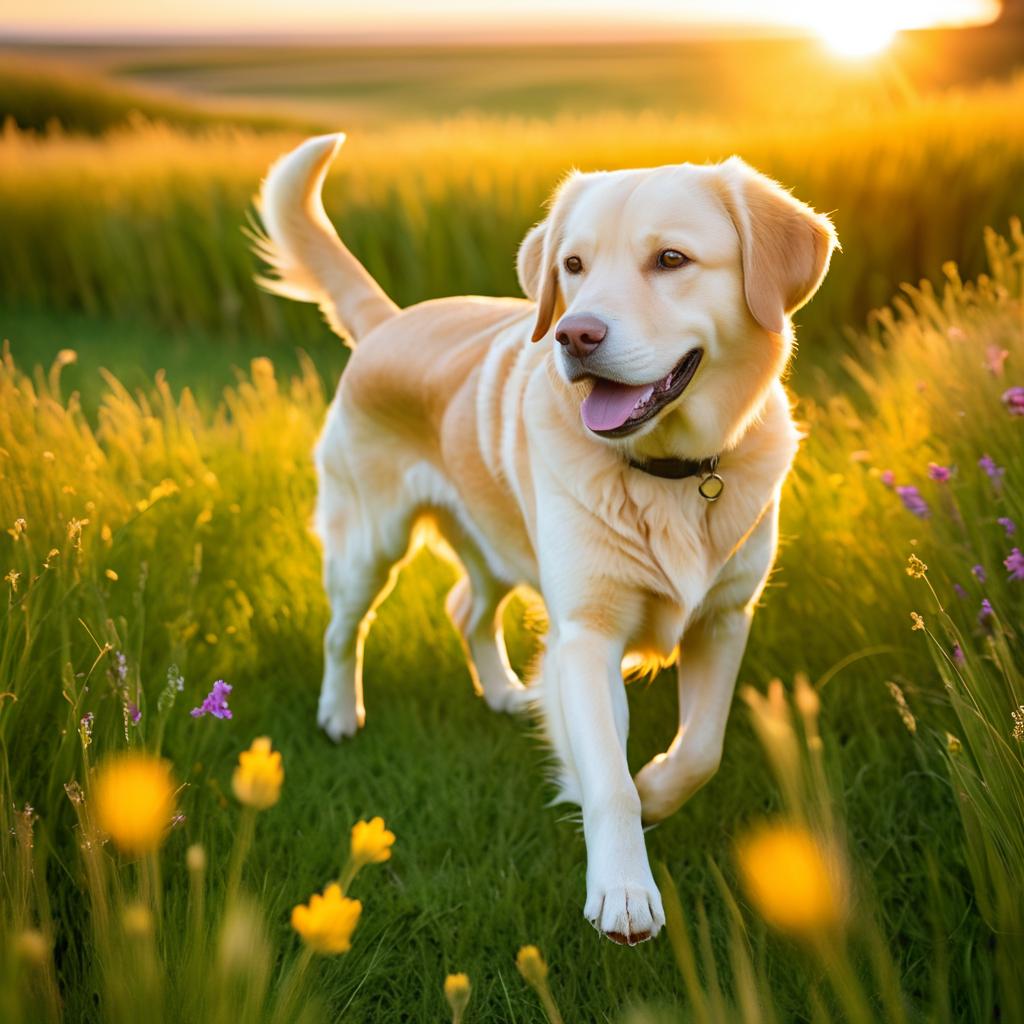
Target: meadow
(159, 530)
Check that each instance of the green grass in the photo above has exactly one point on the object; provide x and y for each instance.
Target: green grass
(54, 96)
(219, 575)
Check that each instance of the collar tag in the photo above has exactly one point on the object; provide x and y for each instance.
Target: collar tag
(711, 485)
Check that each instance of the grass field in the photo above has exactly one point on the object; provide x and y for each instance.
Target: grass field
(195, 553)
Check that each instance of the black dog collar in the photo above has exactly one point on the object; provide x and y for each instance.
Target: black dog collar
(711, 483)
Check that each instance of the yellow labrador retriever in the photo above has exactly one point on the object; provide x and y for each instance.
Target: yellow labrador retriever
(628, 466)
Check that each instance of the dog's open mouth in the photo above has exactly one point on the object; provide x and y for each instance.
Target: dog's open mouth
(614, 410)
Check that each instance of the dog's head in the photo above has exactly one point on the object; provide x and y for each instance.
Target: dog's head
(669, 291)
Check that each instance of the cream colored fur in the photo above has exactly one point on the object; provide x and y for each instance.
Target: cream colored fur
(448, 411)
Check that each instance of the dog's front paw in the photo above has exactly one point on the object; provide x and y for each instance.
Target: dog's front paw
(339, 720)
(626, 914)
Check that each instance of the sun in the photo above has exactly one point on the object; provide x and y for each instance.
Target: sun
(848, 35)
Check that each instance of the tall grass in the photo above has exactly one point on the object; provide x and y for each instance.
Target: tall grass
(173, 537)
(145, 222)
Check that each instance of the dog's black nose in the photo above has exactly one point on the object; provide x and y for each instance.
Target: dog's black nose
(581, 333)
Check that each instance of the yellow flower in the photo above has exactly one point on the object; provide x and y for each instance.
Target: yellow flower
(258, 777)
(327, 924)
(12, 578)
(791, 880)
(915, 567)
(371, 842)
(917, 620)
(134, 801)
(456, 991)
(532, 966)
(110, 574)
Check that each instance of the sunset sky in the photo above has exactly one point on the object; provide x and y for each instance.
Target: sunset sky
(356, 17)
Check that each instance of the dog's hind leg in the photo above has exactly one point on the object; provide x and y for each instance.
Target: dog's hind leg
(475, 604)
(361, 564)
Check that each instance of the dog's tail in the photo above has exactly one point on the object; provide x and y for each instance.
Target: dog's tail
(307, 259)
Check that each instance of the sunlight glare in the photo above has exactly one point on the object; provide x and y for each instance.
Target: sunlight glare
(848, 35)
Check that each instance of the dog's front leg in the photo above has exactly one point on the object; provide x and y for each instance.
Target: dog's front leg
(622, 899)
(709, 663)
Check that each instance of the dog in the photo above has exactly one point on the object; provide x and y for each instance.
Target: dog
(617, 441)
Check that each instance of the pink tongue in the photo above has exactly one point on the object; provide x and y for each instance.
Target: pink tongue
(608, 406)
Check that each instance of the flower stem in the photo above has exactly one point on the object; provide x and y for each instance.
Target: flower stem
(243, 841)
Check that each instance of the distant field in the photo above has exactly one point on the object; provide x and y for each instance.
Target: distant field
(742, 78)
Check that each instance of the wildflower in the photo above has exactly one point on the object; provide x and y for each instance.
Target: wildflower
(1018, 723)
(994, 472)
(953, 745)
(195, 858)
(906, 715)
(137, 920)
(257, 779)
(978, 572)
(994, 359)
(174, 685)
(19, 527)
(917, 620)
(50, 556)
(1014, 563)
(791, 880)
(888, 477)
(913, 502)
(959, 591)
(120, 666)
(456, 991)
(940, 474)
(1013, 399)
(32, 946)
(134, 801)
(1008, 525)
(132, 712)
(958, 654)
(85, 728)
(371, 842)
(327, 924)
(915, 567)
(216, 702)
(74, 528)
(531, 966)
(111, 575)
(986, 612)
(12, 577)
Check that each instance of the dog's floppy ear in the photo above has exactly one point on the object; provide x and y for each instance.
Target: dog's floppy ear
(786, 245)
(542, 242)
(529, 259)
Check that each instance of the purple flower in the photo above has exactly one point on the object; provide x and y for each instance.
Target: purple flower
(133, 712)
(1014, 563)
(959, 591)
(978, 572)
(888, 477)
(986, 611)
(939, 473)
(958, 654)
(121, 666)
(992, 471)
(1008, 525)
(1013, 399)
(215, 702)
(913, 502)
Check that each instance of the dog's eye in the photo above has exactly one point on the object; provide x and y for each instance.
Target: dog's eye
(670, 259)
(573, 264)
